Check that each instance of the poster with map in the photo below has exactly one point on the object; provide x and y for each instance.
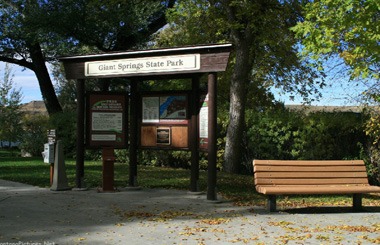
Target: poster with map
(173, 107)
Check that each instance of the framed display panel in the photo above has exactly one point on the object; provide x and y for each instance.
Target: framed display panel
(165, 120)
(106, 116)
(203, 122)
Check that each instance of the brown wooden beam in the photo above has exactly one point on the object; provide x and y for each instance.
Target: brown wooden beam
(212, 123)
(194, 135)
(80, 85)
(133, 134)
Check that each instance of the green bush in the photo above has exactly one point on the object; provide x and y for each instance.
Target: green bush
(34, 134)
(274, 134)
(332, 135)
(284, 134)
(65, 125)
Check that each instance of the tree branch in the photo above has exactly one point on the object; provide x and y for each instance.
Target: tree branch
(125, 42)
(22, 62)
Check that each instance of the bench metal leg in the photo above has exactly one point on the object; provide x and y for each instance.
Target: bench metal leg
(271, 204)
(357, 202)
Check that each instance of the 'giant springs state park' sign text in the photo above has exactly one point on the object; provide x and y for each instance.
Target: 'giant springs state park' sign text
(143, 65)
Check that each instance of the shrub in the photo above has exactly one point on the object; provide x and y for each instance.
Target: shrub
(65, 125)
(284, 134)
(34, 135)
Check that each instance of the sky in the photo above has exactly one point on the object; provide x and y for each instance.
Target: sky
(26, 80)
(339, 92)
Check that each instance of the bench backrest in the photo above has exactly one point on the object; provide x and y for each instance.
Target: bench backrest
(289, 172)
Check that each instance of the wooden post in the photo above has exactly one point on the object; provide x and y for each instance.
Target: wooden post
(108, 169)
(51, 173)
(212, 123)
(133, 135)
(194, 136)
(80, 84)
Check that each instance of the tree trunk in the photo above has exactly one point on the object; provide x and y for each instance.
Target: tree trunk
(42, 74)
(238, 94)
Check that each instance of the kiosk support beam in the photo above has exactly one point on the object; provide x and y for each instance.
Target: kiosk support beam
(133, 135)
(212, 123)
(194, 179)
(80, 132)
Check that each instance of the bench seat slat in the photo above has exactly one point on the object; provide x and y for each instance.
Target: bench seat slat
(306, 181)
(316, 189)
(318, 175)
(297, 168)
(309, 162)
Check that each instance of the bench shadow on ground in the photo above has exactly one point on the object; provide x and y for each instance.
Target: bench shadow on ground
(329, 209)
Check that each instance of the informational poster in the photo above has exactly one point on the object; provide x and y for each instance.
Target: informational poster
(151, 108)
(203, 123)
(106, 120)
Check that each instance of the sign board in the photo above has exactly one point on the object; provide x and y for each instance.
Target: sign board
(106, 120)
(51, 134)
(165, 120)
(188, 62)
(48, 153)
(181, 61)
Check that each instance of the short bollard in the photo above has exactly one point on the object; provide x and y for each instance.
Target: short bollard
(108, 170)
(60, 182)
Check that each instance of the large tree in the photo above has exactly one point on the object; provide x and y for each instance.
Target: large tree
(35, 32)
(264, 53)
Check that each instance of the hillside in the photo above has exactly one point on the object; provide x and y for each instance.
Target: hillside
(34, 107)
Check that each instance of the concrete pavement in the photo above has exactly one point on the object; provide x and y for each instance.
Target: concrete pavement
(32, 215)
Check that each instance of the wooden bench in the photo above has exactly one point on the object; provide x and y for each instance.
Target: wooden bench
(275, 177)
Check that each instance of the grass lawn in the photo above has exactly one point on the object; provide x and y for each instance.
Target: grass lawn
(237, 188)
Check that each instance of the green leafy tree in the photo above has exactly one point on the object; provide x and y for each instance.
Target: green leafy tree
(346, 28)
(10, 103)
(264, 53)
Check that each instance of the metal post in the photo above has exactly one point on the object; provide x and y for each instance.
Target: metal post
(212, 124)
(133, 135)
(194, 136)
(80, 84)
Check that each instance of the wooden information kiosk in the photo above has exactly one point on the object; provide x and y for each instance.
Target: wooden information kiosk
(164, 120)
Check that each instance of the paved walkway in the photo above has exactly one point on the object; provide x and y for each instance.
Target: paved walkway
(31, 215)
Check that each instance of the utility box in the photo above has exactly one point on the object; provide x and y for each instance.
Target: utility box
(48, 153)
